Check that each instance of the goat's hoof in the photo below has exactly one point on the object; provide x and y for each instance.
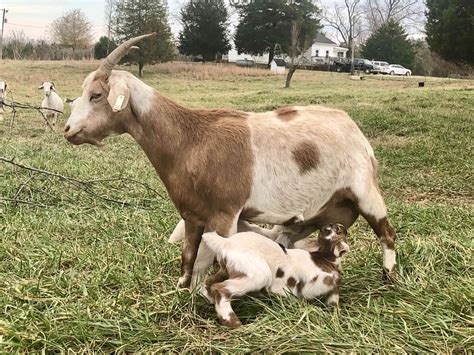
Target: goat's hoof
(232, 322)
(184, 281)
(389, 277)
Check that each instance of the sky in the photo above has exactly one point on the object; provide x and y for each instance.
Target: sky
(35, 16)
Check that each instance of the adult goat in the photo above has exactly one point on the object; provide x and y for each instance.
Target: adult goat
(299, 167)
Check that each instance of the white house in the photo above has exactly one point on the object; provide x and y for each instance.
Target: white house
(277, 66)
(323, 47)
(320, 51)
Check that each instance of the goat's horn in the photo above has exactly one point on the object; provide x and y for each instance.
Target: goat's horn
(118, 53)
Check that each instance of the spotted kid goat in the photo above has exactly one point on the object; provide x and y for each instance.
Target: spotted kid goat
(297, 167)
(250, 262)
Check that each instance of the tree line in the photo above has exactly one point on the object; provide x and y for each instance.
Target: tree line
(377, 29)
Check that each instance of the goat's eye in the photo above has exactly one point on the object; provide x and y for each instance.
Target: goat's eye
(95, 96)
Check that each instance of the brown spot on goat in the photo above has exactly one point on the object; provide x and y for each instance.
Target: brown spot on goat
(232, 322)
(291, 282)
(329, 280)
(306, 156)
(220, 291)
(280, 273)
(383, 229)
(299, 288)
(286, 113)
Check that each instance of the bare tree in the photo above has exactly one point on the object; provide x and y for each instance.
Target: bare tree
(346, 19)
(72, 30)
(17, 43)
(407, 12)
(110, 7)
(296, 51)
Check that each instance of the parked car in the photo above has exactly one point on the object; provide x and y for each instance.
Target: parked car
(396, 69)
(379, 66)
(360, 64)
(244, 62)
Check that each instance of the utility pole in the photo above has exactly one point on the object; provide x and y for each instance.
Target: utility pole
(4, 11)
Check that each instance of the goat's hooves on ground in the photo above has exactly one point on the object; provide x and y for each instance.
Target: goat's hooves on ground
(389, 277)
(232, 322)
(184, 281)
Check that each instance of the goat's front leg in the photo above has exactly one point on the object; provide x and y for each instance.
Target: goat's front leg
(193, 235)
(225, 225)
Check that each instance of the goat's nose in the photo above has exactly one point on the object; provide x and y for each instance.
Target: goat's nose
(67, 128)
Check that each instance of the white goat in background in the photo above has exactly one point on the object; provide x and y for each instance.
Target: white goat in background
(51, 101)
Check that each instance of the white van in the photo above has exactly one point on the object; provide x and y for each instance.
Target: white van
(379, 66)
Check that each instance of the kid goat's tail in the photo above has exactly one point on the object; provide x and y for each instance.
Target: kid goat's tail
(215, 242)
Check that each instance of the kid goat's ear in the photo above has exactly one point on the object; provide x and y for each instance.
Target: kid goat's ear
(41, 87)
(342, 248)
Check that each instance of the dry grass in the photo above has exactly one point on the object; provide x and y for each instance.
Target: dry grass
(207, 71)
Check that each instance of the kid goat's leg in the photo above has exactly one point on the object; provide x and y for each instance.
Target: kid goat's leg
(236, 287)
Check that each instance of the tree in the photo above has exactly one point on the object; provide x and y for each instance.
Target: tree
(302, 35)
(265, 23)
(204, 31)
(134, 18)
(379, 12)
(18, 46)
(347, 21)
(103, 47)
(72, 30)
(109, 12)
(390, 43)
(450, 29)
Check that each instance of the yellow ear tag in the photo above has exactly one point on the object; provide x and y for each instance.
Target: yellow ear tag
(119, 102)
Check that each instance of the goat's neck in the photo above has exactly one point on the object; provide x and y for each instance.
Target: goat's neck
(164, 132)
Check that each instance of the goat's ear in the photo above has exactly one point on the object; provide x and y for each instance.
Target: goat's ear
(309, 244)
(342, 248)
(53, 86)
(118, 96)
(41, 87)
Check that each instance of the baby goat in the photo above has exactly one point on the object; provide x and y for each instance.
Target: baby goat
(51, 101)
(250, 262)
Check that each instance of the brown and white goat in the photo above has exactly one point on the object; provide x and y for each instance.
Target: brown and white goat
(250, 262)
(299, 167)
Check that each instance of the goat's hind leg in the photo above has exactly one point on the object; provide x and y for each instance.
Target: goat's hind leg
(373, 209)
(224, 291)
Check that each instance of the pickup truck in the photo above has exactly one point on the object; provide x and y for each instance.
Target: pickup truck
(360, 64)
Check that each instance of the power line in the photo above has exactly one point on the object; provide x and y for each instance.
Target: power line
(20, 25)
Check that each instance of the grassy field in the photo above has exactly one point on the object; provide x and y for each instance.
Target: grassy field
(79, 271)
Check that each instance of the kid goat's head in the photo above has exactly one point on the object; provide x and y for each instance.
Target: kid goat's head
(332, 240)
(104, 102)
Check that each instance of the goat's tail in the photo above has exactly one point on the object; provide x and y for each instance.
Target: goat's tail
(215, 242)
(178, 233)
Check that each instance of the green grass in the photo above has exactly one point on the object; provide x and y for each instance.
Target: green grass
(78, 272)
